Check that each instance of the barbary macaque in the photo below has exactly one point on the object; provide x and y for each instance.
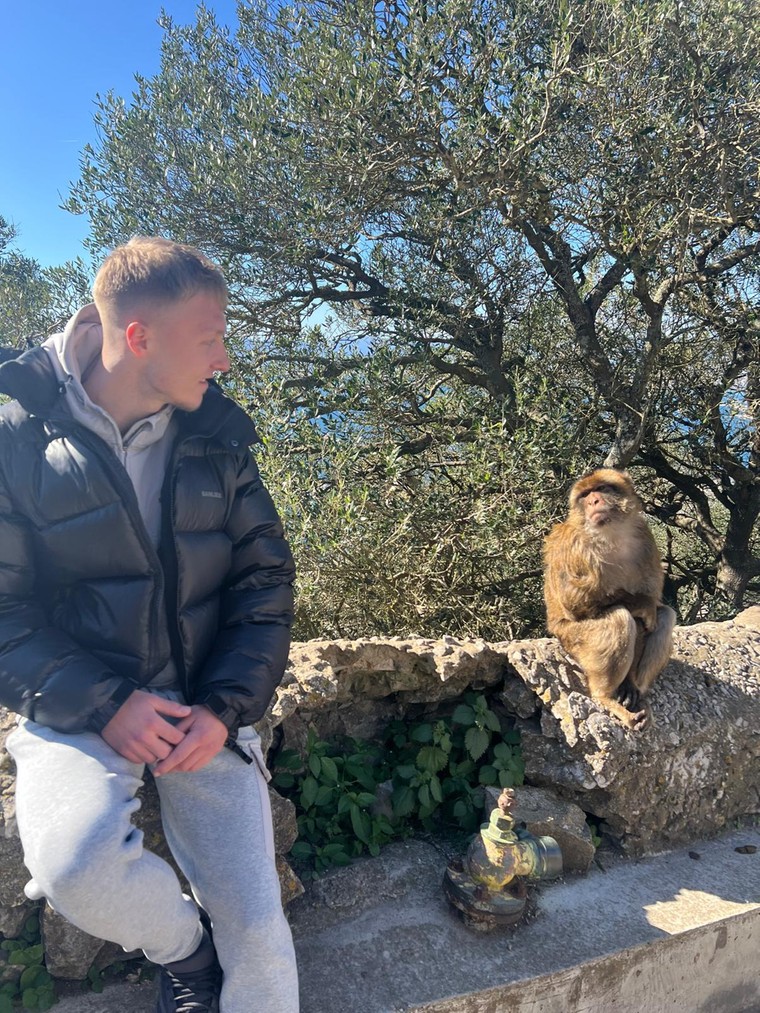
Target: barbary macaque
(603, 590)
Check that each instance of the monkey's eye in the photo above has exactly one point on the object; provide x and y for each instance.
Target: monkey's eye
(606, 488)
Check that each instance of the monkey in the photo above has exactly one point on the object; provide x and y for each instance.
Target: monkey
(603, 582)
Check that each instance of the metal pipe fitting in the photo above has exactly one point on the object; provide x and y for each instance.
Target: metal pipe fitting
(487, 885)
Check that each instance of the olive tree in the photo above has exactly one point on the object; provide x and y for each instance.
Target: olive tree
(502, 194)
(35, 301)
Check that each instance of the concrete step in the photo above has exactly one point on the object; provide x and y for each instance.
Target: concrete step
(672, 932)
(678, 932)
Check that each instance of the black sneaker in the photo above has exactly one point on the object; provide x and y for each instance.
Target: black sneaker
(191, 985)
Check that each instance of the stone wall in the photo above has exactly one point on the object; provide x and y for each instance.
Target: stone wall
(696, 768)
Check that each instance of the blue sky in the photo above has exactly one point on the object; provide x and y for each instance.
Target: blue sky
(56, 57)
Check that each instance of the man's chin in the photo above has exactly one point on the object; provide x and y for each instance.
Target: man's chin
(190, 406)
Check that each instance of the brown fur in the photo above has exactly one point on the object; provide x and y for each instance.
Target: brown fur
(603, 589)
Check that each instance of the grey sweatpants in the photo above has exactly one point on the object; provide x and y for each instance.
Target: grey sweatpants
(75, 798)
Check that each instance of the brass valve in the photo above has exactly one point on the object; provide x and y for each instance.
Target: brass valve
(487, 884)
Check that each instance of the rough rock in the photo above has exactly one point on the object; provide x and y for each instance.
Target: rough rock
(695, 768)
(545, 814)
(354, 687)
(69, 952)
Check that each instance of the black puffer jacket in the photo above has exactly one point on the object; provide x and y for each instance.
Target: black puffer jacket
(85, 597)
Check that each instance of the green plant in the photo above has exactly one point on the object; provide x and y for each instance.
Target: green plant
(594, 825)
(334, 788)
(354, 796)
(442, 767)
(28, 982)
(94, 979)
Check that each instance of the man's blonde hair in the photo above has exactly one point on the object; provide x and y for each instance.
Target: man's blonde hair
(149, 269)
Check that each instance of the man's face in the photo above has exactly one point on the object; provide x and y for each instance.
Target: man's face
(185, 348)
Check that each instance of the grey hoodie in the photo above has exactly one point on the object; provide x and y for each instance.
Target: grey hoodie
(143, 449)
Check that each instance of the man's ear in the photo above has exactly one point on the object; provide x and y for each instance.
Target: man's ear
(136, 334)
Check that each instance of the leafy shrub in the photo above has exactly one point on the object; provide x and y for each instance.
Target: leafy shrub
(353, 797)
(32, 987)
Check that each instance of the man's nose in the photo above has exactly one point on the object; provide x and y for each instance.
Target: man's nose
(221, 361)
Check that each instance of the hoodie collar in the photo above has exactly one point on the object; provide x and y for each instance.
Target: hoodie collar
(33, 380)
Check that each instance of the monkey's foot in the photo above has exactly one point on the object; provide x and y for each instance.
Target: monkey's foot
(635, 720)
(639, 720)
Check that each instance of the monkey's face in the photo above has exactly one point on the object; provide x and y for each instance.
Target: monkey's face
(601, 505)
(602, 498)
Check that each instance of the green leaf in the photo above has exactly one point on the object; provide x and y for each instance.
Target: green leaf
(288, 759)
(364, 798)
(406, 771)
(324, 795)
(476, 742)
(34, 976)
(27, 957)
(329, 770)
(301, 849)
(423, 794)
(506, 779)
(309, 791)
(315, 765)
(283, 780)
(461, 809)
(492, 721)
(422, 733)
(403, 802)
(29, 999)
(463, 715)
(502, 751)
(361, 824)
(344, 804)
(487, 774)
(368, 781)
(435, 789)
(431, 759)
(6, 1004)
(332, 851)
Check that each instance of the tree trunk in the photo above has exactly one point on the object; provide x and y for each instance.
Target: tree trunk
(737, 566)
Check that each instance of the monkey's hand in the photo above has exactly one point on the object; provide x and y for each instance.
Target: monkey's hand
(648, 615)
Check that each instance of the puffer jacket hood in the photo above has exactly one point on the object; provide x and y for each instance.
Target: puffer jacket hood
(77, 346)
(89, 609)
(72, 352)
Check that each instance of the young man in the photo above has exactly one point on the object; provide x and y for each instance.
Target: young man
(145, 603)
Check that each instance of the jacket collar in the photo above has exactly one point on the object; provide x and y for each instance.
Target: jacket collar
(31, 380)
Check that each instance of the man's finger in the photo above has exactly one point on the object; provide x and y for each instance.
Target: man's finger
(161, 749)
(173, 734)
(140, 753)
(171, 707)
(174, 759)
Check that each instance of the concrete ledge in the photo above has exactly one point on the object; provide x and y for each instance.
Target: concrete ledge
(678, 931)
(675, 933)
(713, 968)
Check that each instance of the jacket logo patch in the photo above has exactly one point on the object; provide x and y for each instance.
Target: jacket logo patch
(209, 494)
